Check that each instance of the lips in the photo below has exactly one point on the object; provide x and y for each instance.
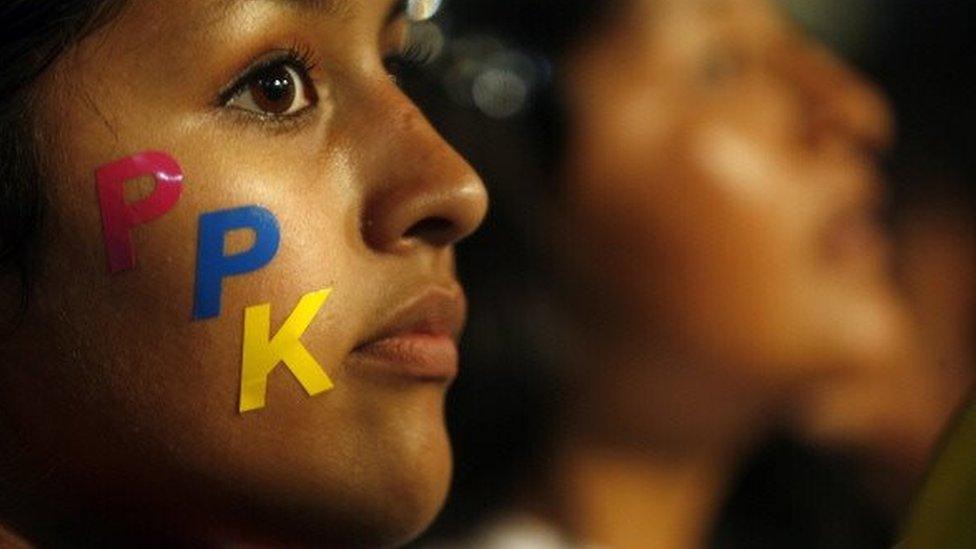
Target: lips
(855, 234)
(418, 341)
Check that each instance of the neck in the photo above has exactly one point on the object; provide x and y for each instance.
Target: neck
(652, 447)
(626, 499)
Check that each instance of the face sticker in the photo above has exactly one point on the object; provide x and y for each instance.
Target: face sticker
(262, 355)
(120, 218)
(213, 266)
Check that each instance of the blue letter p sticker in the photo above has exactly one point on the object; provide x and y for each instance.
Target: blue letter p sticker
(213, 266)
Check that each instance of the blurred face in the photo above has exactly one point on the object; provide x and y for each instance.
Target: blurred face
(287, 105)
(725, 169)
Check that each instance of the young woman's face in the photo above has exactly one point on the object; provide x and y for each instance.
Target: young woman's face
(724, 169)
(122, 398)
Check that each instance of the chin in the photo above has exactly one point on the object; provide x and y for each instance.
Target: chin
(388, 494)
(401, 477)
(377, 481)
(404, 483)
(413, 490)
(876, 329)
(875, 345)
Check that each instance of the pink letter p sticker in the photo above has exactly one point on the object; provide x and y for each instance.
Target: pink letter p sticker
(120, 218)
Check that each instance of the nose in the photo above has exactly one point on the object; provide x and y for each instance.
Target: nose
(840, 103)
(421, 193)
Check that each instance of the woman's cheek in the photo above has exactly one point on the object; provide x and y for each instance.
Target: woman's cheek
(221, 260)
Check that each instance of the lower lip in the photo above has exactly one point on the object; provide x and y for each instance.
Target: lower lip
(421, 357)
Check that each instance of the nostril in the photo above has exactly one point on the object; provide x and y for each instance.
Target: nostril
(438, 231)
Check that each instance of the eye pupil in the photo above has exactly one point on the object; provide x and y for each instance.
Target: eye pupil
(274, 90)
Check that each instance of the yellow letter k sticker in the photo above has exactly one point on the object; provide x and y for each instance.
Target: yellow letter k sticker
(261, 356)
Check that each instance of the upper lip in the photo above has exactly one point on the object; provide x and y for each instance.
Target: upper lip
(865, 208)
(437, 311)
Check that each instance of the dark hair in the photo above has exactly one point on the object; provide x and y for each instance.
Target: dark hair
(34, 33)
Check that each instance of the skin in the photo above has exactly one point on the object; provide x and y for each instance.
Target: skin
(728, 177)
(724, 169)
(128, 410)
(895, 419)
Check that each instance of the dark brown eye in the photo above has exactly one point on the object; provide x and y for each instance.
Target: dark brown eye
(278, 90)
(274, 90)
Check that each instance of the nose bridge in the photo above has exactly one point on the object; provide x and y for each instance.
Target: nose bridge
(841, 103)
(419, 193)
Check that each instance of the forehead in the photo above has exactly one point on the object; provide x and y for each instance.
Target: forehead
(654, 20)
(708, 8)
(177, 35)
(182, 17)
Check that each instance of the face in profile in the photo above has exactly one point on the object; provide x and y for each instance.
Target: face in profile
(121, 401)
(725, 169)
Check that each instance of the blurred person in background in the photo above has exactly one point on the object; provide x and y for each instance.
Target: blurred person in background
(889, 421)
(685, 241)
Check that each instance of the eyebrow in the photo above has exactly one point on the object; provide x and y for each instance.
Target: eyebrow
(344, 7)
(328, 7)
(339, 9)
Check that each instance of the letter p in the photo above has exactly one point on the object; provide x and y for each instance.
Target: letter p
(213, 266)
(119, 217)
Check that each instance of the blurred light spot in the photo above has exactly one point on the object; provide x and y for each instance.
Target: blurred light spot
(429, 38)
(469, 54)
(486, 74)
(500, 93)
(422, 10)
